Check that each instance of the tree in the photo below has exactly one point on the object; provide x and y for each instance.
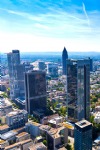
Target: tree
(69, 147)
(45, 142)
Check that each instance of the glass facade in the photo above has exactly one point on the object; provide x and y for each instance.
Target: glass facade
(35, 85)
(78, 89)
(83, 137)
(64, 64)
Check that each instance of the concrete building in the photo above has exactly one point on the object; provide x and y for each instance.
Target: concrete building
(97, 118)
(78, 89)
(3, 144)
(83, 135)
(56, 121)
(24, 145)
(38, 146)
(57, 138)
(52, 69)
(22, 136)
(16, 119)
(5, 108)
(33, 128)
(9, 136)
(4, 128)
(35, 91)
(64, 63)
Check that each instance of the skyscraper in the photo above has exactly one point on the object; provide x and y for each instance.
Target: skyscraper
(16, 74)
(83, 135)
(52, 69)
(91, 64)
(35, 90)
(78, 89)
(64, 58)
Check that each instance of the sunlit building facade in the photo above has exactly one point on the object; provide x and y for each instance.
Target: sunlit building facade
(35, 90)
(78, 89)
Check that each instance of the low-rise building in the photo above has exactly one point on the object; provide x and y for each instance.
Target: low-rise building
(33, 128)
(38, 146)
(22, 136)
(55, 121)
(4, 129)
(97, 118)
(9, 136)
(4, 107)
(17, 118)
(24, 145)
(57, 138)
(3, 144)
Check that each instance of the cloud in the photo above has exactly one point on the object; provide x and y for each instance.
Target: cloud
(84, 9)
(57, 22)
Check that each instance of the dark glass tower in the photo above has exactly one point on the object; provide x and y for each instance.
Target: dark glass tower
(83, 135)
(78, 89)
(64, 63)
(35, 90)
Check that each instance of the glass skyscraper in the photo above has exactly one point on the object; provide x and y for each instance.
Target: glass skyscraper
(83, 135)
(78, 89)
(35, 90)
(64, 58)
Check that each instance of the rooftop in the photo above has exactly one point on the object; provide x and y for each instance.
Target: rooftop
(37, 146)
(83, 123)
(22, 134)
(8, 135)
(1, 141)
(4, 127)
(19, 143)
(45, 127)
(54, 132)
(14, 113)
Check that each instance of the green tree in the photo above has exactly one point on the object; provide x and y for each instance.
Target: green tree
(45, 142)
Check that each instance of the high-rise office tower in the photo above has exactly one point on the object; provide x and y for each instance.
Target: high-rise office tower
(78, 89)
(91, 64)
(35, 90)
(64, 64)
(13, 60)
(41, 65)
(16, 74)
(83, 135)
(52, 69)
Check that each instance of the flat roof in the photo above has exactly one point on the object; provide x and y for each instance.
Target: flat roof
(83, 123)
(1, 141)
(37, 146)
(17, 144)
(8, 135)
(4, 127)
(22, 134)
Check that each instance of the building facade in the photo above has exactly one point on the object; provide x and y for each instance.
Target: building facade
(64, 64)
(16, 74)
(78, 89)
(83, 135)
(17, 119)
(41, 65)
(35, 91)
(52, 69)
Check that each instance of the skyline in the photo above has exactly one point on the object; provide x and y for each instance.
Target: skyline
(49, 25)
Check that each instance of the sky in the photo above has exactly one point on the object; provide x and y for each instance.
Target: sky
(49, 25)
